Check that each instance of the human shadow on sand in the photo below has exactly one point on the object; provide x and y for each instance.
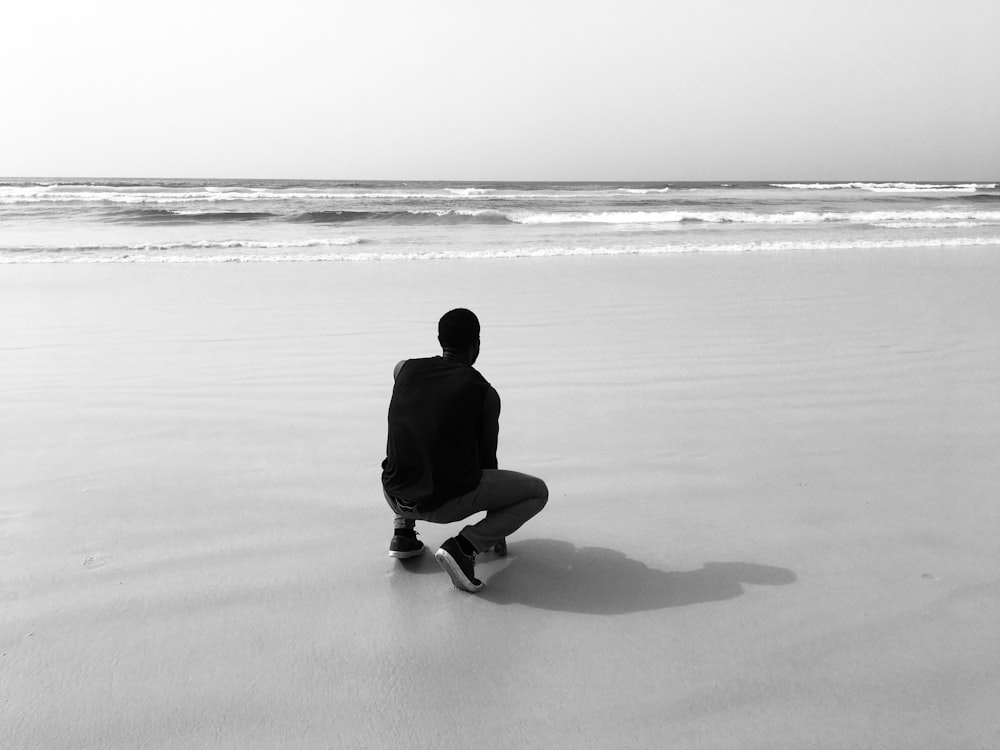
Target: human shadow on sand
(557, 575)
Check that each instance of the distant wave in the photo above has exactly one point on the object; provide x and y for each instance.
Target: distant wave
(617, 205)
(19, 195)
(491, 216)
(179, 191)
(684, 213)
(933, 224)
(89, 193)
(402, 218)
(178, 252)
(981, 197)
(887, 187)
(749, 217)
(60, 194)
(167, 216)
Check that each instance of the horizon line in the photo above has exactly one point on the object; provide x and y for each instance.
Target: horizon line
(798, 180)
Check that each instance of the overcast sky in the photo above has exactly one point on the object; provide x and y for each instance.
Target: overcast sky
(540, 89)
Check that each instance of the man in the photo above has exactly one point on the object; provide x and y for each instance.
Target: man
(441, 463)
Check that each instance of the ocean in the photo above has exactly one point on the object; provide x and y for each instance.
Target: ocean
(285, 221)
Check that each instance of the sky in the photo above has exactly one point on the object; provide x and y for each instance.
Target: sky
(514, 90)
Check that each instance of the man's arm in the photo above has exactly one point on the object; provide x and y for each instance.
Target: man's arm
(489, 430)
(397, 368)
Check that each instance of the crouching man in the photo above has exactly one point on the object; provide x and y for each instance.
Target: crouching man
(441, 462)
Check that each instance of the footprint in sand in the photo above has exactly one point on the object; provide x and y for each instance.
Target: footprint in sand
(90, 562)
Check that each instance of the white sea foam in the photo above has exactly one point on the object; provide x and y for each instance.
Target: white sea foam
(15, 195)
(468, 191)
(889, 187)
(155, 254)
(24, 253)
(32, 194)
(933, 224)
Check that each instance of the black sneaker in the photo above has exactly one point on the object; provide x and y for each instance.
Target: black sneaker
(459, 566)
(403, 547)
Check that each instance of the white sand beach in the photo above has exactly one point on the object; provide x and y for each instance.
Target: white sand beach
(773, 519)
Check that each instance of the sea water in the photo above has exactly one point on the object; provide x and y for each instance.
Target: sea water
(284, 221)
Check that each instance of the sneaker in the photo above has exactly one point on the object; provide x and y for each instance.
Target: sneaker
(459, 566)
(403, 547)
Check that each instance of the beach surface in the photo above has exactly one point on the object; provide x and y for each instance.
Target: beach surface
(773, 519)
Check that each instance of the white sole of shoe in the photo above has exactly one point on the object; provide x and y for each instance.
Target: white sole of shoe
(454, 571)
(406, 555)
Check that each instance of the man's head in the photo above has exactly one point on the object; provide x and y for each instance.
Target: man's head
(458, 333)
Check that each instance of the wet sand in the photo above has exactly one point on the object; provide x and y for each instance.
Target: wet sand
(773, 517)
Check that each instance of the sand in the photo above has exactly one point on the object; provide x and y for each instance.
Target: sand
(773, 520)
